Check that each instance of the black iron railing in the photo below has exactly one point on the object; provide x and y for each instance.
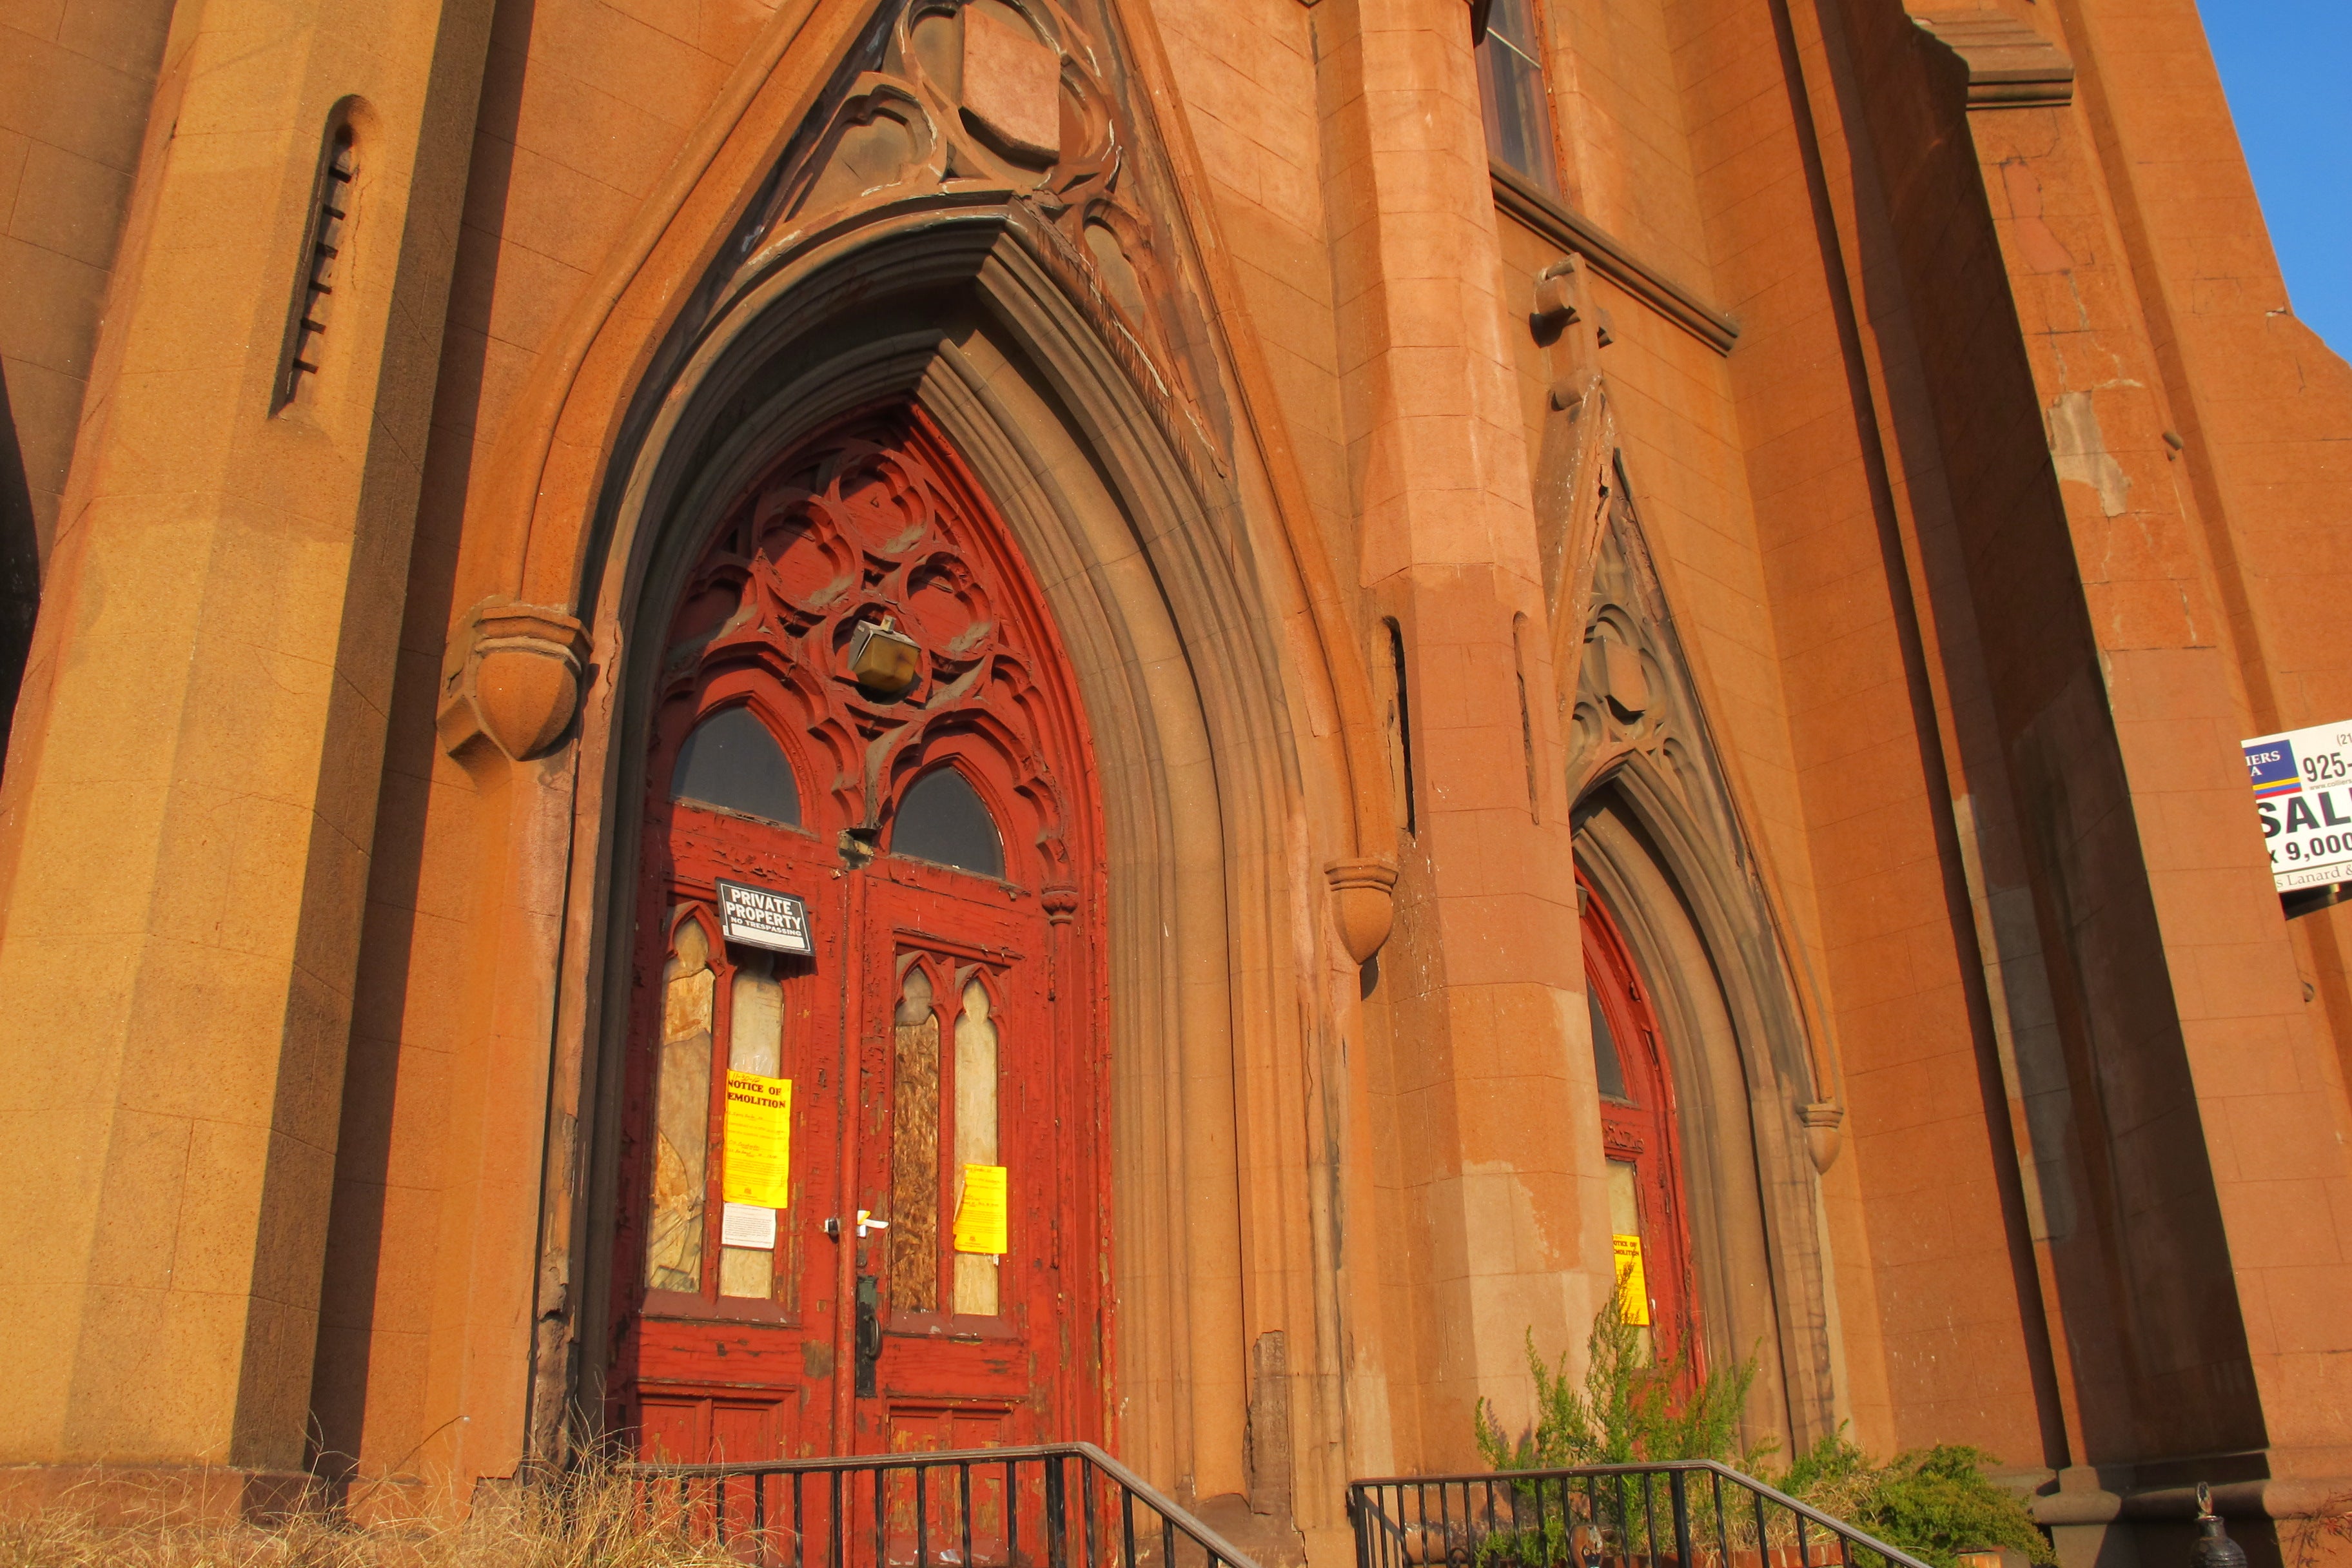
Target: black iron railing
(1697, 1514)
(1067, 1505)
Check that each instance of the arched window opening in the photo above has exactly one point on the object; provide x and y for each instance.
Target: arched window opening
(731, 762)
(941, 820)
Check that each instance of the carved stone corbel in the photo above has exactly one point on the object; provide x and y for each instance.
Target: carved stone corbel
(510, 677)
(1363, 903)
(1822, 1120)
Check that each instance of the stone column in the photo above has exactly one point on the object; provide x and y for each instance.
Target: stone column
(1493, 1078)
(2194, 1285)
(191, 784)
(2232, 1117)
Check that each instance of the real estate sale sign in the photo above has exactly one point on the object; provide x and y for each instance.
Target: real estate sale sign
(2303, 788)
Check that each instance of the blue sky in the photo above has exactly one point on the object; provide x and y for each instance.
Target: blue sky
(2287, 68)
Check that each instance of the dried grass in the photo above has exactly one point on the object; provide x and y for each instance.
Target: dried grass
(585, 1520)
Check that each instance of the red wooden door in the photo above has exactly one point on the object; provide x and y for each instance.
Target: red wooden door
(965, 1076)
(1640, 1138)
(719, 1338)
(816, 1093)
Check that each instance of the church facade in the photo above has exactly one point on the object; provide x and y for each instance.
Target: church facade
(754, 730)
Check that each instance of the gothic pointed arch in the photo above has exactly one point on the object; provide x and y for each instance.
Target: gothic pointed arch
(882, 224)
(1044, 119)
(1662, 848)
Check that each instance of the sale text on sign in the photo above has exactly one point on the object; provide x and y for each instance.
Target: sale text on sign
(2303, 787)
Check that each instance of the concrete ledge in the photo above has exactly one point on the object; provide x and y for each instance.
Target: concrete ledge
(159, 1494)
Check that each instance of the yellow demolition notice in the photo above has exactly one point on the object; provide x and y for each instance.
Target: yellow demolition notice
(759, 1165)
(979, 1217)
(1632, 1284)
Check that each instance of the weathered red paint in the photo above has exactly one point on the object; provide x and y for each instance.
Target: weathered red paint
(1641, 1128)
(877, 515)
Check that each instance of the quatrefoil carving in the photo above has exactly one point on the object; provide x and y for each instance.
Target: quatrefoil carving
(876, 521)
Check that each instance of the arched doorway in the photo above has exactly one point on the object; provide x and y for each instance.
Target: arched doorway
(1648, 1219)
(1693, 978)
(861, 1194)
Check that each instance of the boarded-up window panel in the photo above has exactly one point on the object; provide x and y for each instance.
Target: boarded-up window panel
(1625, 1219)
(975, 1133)
(755, 1043)
(915, 1151)
(681, 1115)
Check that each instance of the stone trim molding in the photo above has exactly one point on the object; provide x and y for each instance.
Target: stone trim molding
(2010, 65)
(1614, 259)
(1192, 217)
(2103, 1494)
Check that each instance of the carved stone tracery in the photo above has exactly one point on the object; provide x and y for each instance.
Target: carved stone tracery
(960, 105)
(872, 522)
(967, 101)
(1633, 696)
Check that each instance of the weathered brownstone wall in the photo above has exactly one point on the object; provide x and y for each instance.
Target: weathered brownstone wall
(74, 83)
(193, 769)
(584, 107)
(1990, 494)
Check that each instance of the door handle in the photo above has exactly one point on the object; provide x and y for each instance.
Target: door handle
(870, 1332)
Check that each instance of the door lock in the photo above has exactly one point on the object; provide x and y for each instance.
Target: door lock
(865, 1224)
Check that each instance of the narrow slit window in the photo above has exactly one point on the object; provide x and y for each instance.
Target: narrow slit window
(317, 278)
(943, 819)
(1526, 717)
(1400, 725)
(1511, 89)
(755, 1044)
(681, 1114)
(975, 1135)
(732, 763)
(914, 1214)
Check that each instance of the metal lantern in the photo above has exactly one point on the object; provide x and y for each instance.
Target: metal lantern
(2214, 1548)
(883, 660)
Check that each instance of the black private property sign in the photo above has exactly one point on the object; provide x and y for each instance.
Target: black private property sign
(760, 917)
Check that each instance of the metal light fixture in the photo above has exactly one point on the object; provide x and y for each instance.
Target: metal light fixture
(883, 660)
(2214, 1548)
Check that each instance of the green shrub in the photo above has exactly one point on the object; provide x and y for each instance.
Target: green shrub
(1934, 1503)
(1632, 1410)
